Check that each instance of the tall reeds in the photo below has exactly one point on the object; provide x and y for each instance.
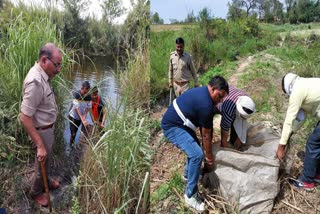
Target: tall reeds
(115, 171)
(20, 43)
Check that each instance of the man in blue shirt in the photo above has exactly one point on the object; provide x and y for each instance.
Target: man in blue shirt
(194, 108)
(81, 105)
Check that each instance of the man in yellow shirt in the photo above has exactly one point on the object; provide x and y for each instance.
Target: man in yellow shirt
(304, 96)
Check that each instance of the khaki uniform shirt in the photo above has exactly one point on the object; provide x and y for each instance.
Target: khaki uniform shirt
(181, 68)
(305, 95)
(38, 99)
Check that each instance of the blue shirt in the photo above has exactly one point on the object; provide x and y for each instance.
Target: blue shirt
(196, 105)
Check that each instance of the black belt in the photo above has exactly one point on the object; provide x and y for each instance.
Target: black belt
(45, 127)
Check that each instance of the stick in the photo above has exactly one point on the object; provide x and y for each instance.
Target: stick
(170, 99)
(290, 205)
(177, 193)
(45, 182)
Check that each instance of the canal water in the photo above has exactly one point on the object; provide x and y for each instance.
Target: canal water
(98, 71)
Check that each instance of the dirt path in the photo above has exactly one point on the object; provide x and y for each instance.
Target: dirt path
(243, 64)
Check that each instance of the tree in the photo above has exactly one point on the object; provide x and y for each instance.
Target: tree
(249, 5)
(137, 25)
(306, 10)
(155, 19)
(75, 29)
(174, 21)
(289, 4)
(111, 9)
(205, 22)
(293, 14)
(204, 17)
(191, 18)
(235, 10)
(270, 10)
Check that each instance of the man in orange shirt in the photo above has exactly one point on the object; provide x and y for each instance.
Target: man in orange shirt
(98, 110)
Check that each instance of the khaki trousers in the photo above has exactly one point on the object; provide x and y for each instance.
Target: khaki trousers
(180, 88)
(47, 137)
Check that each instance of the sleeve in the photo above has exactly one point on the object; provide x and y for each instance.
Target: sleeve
(170, 72)
(32, 96)
(298, 122)
(89, 104)
(228, 114)
(193, 70)
(75, 101)
(295, 102)
(88, 100)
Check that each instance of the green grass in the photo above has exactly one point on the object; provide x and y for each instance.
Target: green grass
(225, 70)
(168, 190)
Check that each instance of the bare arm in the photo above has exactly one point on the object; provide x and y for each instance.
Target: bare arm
(104, 113)
(32, 132)
(82, 117)
(207, 144)
(224, 138)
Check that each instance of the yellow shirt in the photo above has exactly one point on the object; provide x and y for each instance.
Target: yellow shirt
(305, 95)
(181, 68)
(38, 99)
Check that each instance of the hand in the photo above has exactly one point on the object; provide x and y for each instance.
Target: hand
(170, 85)
(209, 165)
(237, 144)
(101, 125)
(41, 153)
(85, 123)
(280, 152)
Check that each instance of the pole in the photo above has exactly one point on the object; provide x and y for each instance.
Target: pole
(171, 88)
(170, 98)
(45, 182)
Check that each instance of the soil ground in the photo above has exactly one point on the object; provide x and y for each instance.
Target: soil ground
(16, 188)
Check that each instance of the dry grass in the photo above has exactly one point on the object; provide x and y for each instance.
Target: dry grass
(171, 27)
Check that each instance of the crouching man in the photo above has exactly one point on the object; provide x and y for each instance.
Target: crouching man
(235, 109)
(304, 97)
(194, 108)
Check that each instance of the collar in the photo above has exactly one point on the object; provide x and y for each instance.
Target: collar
(176, 53)
(44, 75)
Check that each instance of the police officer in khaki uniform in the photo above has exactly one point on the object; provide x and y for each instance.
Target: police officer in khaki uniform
(181, 69)
(39, 112)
